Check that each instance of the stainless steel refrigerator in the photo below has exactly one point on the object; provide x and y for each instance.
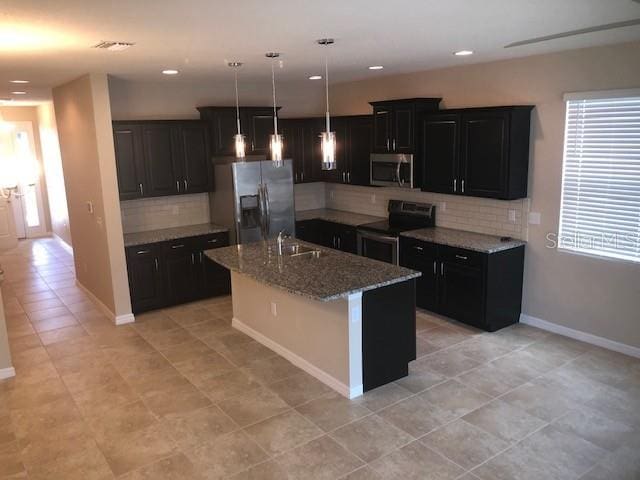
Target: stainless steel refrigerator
(254, 199)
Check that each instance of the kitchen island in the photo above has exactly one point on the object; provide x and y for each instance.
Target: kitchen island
(347, 320)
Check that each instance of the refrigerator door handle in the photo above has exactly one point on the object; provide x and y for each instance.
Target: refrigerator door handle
(267, 210)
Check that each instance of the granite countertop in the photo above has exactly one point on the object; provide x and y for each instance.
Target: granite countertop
(154, 236)
(331, 276)
(337, 216)
(478, 242)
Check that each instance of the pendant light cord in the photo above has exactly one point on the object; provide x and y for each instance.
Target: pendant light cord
(237, 103)
(273, 87)
(326, 88)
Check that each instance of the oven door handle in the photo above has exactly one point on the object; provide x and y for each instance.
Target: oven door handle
(398, 178)
(379, 238)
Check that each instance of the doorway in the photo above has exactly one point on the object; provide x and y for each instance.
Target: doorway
(23, 177)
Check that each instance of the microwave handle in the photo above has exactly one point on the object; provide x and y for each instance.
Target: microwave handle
(398, 178)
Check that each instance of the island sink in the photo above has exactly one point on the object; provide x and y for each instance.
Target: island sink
(297, 250)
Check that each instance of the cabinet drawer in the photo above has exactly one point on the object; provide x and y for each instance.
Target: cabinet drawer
(177, 246)
(411, 247)
(213, 240)
(462, 256)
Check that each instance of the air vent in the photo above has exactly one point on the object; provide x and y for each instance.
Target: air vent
(113, 46)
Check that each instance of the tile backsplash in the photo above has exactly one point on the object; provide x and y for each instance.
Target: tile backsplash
(452, 211)
(309, 196)
(164, 212)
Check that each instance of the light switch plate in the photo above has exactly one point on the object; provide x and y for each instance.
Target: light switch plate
(274, 309)
(534, 218)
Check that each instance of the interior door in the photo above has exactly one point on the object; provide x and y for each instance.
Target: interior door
(484, 154)
(8, 237)
(441, 137)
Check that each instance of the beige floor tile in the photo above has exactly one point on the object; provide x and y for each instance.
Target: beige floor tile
(226, 455)
(194, 428)
(446, 363)
(155, 325)
(176, 400)
(33, 374)
(416, 462)
(230, 384)
(28, 396)
(490, 380)
(62, 334)
(49, 313)
(158, 382)
(363, 473)
(332, 410)
(383, 396)
(97, 401)
(482, 348)
(142, 447)
(455, 398)
(624, 463)
(50, 415)
(203, 367)
(190, 316)
(243, 353)
(322, 458)
(271, 370)
(420, 378)
(7, 433)
(25, 342)
(464, 444)
(370, 437)
(119, 422)
(128, 346)
(42, 305)
(89, 378)
(253, 406)
(540, 400)
(504, 421)
(269, 470)
(71, 347)
(443, 337)
(86, 464)
(283, 432)
(30, 357)
(55, 323)
(167, 338)
(88, 359)
(11, 460)
(416, 415)
(517, 464)
(185, 351)
(571, 455)
(299, 389)
(176, 467)
(139, 365)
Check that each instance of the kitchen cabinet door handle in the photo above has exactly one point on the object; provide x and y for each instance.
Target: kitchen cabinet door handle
(455, 184)
(155, 260)
(435, 267)
(213, 240)
(388, 145)
(344, 178)
(178, 185)
(348, 177)
(394, 144)
(200, 257)
(302, 176)
(420, 249)
(334, 241)
(186, 184)
(442, 268)
(177, 246)
(193, 259)
(141, 189)
(142, 252)
(462, 257)
(462, 185)
(338, 243)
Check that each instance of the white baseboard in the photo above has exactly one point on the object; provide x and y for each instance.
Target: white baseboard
(124, 319)
(63, 244)
(582, 336)
(299, 362)
(118, 320)
(8, 372)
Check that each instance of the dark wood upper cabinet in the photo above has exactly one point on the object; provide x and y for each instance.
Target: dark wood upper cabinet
(129, 161)
(160, 160)
(256, 124)
(440, 137)
(481, 152)
(163, 157)
(194, 157)
(395, 123)
(360, 135)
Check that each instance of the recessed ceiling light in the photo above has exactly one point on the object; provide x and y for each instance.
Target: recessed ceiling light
(19, 81)
(315, 77)
(18, 93)
(376, 67)
(463, 53)
(170, 72)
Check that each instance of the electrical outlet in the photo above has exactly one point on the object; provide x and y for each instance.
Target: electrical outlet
(512, 216)
(274, 309)
(373, 199)
(535, 218)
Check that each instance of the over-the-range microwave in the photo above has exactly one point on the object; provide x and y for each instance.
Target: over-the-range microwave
(392, 170)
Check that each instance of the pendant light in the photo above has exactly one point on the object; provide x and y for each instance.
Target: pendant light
(328, 138)
(275, 143)
(238, 137)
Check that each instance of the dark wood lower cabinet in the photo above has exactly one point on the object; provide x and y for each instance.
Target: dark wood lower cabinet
(174, 272)
(328, 234)
(480, 289)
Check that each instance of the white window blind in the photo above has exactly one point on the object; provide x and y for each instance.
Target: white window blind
(600, 211)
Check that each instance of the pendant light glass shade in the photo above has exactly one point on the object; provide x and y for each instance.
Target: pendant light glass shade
(327, 138)
(238, 138)
(275, 140)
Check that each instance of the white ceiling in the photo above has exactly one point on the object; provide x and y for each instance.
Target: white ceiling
(48, 41)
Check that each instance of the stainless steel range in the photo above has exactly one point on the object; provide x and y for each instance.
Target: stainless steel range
(380, 240)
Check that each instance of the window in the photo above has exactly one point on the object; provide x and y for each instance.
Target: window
(600, 211)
